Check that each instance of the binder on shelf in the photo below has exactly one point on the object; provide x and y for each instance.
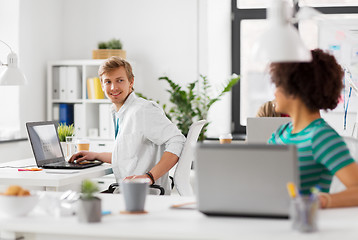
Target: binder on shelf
(106, 125)
(94, 89)
(56, 112)
(62, 83)
(80, 123)
(73, 79)
(66, 113)
(56, 83)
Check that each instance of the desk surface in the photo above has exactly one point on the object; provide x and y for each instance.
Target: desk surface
(162, 222)
(48, 179)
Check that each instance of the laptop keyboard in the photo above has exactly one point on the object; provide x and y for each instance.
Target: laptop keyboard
(65, 164)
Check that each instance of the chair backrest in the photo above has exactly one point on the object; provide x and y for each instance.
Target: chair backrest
(182, 171)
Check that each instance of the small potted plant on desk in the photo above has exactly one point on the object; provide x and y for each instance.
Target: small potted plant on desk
(63, 131)
(89, 206)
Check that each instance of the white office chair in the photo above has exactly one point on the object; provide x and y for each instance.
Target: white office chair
(183, 168)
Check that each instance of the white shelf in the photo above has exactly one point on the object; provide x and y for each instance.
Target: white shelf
(67, 84)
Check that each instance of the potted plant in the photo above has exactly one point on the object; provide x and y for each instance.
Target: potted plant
(63, 131)
(194, 103)
(89, 205)
(110, 48)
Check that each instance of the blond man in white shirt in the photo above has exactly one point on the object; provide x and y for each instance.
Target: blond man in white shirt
(147, 143)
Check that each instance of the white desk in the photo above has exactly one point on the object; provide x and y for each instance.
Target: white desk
(49, 180)
(161, 222)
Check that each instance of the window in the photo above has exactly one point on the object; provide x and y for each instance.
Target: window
(248, 23)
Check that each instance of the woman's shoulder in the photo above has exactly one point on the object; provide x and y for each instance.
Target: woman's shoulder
(321, 129)
(281, 133)
(287, 127)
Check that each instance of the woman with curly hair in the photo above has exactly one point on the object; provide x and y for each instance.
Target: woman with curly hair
(302, 90)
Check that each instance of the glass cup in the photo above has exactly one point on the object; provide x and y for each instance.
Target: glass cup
(225, 138)
(71, 146)
(303, 213)
(83, 144)
(134, 193)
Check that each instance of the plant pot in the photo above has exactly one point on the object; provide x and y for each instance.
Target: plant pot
(89, 210)
(64, 148)
(106, 53)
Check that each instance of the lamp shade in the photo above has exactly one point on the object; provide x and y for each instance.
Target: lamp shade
(12, 75)
(281, 42)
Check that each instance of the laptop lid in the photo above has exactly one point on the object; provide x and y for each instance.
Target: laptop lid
(45, 142)
(260, 129)
(245, 179)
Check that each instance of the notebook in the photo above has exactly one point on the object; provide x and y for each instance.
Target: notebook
(260, 129)
(245, 179)
(47, 149)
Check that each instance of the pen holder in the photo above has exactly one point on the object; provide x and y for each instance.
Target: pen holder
(303, 213)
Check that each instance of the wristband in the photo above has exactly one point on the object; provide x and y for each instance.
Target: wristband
(150, 175)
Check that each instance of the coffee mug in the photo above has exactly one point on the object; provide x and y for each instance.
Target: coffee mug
(135, 192)
(83, 145)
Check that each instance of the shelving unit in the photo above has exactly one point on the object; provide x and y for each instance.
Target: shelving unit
(72, 89)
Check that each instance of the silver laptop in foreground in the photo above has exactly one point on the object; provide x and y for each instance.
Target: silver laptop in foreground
(260, 129)
(245, 179)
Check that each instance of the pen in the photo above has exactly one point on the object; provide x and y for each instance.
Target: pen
(291, 189)
(29, 169)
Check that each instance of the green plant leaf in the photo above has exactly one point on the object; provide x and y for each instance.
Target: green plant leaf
(193, 102)
(88, 188)
(64, 131)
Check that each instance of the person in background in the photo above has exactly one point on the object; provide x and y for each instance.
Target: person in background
(302, 89)
(268, 110)
(147, 143)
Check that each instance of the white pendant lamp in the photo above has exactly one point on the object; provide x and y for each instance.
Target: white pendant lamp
(281, 42)
(12, 75)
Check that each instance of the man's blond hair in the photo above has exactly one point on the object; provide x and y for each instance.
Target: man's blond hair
(114, 63)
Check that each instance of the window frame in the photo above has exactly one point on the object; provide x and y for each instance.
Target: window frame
(250, 14)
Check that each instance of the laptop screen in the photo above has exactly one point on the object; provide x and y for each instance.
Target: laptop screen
(45, 142)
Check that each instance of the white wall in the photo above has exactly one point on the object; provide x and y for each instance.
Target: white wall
(161, 37)
(219, 62)
(40, 40)
(9, 95)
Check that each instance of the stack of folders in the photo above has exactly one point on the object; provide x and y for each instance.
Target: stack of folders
(94, 89)
(67, 83)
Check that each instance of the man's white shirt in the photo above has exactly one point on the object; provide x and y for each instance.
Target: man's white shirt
(144, 133)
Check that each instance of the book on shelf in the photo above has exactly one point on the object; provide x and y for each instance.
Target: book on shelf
(106, 125)
(94, 89)
(56, 83)
(73, 85)
(66, 113)
(56, 112)
(67, 83)
(80, 121)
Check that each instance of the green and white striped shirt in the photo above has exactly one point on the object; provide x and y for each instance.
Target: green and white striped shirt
(321, 153)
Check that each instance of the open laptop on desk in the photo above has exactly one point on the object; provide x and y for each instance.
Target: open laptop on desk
(47, 149)
(260, 129)
(245, 179)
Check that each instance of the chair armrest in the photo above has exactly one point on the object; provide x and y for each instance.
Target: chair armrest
(113, 186)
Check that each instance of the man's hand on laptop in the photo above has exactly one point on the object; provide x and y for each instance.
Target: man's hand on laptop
(83, 156)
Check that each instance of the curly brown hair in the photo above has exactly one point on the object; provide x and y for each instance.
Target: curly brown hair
(317, 83)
